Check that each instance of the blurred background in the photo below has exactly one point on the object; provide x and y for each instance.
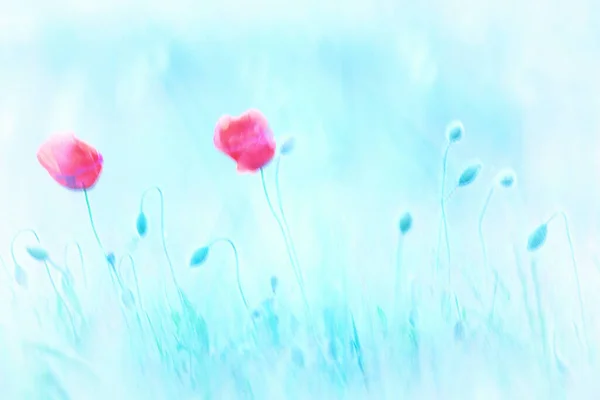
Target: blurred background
(366, 87)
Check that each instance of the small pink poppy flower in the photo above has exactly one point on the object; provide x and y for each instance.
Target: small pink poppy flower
(71, 162)
(246, 139)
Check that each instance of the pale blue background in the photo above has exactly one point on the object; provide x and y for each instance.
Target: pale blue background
(366, 87)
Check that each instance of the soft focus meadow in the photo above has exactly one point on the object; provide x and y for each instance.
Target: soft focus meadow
(371, 92)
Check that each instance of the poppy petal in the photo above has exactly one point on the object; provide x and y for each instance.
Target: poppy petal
(246, 139)
(241, 168)
(71, 162)
(257, 157)
(46, 158)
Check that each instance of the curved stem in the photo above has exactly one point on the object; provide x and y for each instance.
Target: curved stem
(540, 310)
(71, 294)
(557, 359)
(459, 313)
(67, 356)
(577, 280)
(81, 262)
(498, 284)
(524, 291)
(237, 270)
(293, 264)
(157, 341)
(14, 240)
(494, 293)
(443, 204)
(284, 221)
(18, 266)
(480, 226)
(554, 216)
(60, 298)
(113, 273)
(92, 223)
(135, 276)
(47, 267)
(162, 230)
(63, 272)
(282, 230)
(442, 228)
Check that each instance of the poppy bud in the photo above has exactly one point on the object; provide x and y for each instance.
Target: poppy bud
(199, 257)
(141, 224)
(469, 174)
(38, 253)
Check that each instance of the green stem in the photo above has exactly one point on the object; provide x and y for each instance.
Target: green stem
(162, 232)
(285, 238)
(577, 280)
(51, 279)
(293, 264)
(542, 320)
(113, 272)
(237, 269)
(443, 204)
(480, 226)
(81, 263)
(135, 277)
(286, 227)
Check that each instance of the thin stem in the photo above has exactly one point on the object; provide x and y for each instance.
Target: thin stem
(577, 280)
(553, 217)
(498, 283)
(458, 309)
(237, 270)
(162, 230)
(68, 356)
(484, 250)
(469, 280)
(93, 225)
(16, 263)
(443, 223)
(81, 262)
(493, 306)
(114, 275)
(480, 226)
(524, 291)
(119, 280)
(558, 363)
(60, 298)
(63, 272)
(66, 275)
(443, 204)
(138, 301)
(540, 309)
(284, 220)
(293, 264)
(47, 267)
(282, 230)
(135, 276)
(575, 271)
(154, 335)
(14, 241)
